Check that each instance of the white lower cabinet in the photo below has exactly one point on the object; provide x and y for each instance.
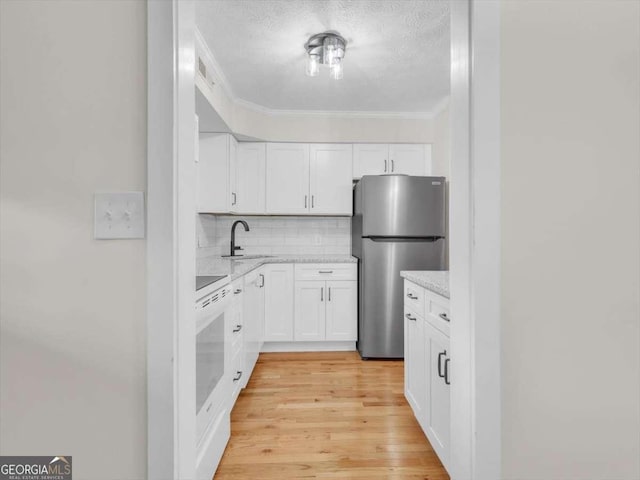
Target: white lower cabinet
(436, 414)
(278, 302)
(427, 368)
(253, 320)
(326, 311)
(342, 311)
(309, 311)
(414, 378)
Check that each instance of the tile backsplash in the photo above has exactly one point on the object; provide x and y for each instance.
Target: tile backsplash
(274, 235)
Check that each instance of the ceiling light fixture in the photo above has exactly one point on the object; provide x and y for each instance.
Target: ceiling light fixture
(326, 48)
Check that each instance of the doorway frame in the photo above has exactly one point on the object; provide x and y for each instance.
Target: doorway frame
(474, 249)
(475, 259)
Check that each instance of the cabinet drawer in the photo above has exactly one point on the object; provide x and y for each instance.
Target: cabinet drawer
(326, 271)
(414, 297)
(439, 314)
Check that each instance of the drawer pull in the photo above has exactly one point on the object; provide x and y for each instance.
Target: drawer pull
(237, 291)
(440, 355)
(412, 296)
(446, 372)
(238, 376)
(325, 271)
(409, 317)
(444, 317)
(237, 329)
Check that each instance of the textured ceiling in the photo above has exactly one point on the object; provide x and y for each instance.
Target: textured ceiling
(397, 56)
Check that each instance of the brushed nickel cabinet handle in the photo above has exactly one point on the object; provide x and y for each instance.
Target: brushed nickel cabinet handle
(446, 372)
(409, 317)
(444, 317)
(440, 355)
(237, 329)
(238, 376)
(412, 296)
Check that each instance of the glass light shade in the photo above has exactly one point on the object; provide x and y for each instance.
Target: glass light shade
(335, 71)
(313, 65)
(332, 50)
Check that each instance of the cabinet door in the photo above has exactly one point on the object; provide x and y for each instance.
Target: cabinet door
(414, 363)
(342, 311)
(370, 159)
(287, 184)
(331, 182)
(310, 309)
(213, 173)
(253, 306)
(408, 159)
(278, 303)
(250, 181)
(233, 174)
(437, 416)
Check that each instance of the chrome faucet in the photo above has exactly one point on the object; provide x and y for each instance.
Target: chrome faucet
(233, 236)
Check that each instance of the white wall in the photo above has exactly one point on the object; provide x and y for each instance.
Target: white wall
(571, 239)
(441, 151)
(72, 346)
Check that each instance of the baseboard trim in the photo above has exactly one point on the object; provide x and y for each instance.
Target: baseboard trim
(308, 347)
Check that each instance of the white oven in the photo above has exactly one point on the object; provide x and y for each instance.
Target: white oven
(211, 357)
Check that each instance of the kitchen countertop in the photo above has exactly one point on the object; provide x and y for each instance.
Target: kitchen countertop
(434, 281)
(239, 266)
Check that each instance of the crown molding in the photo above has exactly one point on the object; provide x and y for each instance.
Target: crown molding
(225, 85)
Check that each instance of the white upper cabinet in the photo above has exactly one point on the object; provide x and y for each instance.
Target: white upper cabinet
(331, 179)
(287, 178)
(247, 180)
(410, 159)
(382, 158)
(213, 172)
(370, 159)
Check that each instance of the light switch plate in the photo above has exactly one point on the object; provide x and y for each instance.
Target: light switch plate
(118, 215)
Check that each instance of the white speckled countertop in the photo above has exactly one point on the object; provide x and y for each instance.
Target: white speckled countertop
(434, 281)
(240, 266)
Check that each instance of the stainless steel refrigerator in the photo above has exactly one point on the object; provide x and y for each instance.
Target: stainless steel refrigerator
(399, 223)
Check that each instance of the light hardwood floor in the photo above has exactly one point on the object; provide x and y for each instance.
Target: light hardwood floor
(326, 415)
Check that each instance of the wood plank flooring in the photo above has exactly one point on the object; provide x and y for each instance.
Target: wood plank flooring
(326, 415)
